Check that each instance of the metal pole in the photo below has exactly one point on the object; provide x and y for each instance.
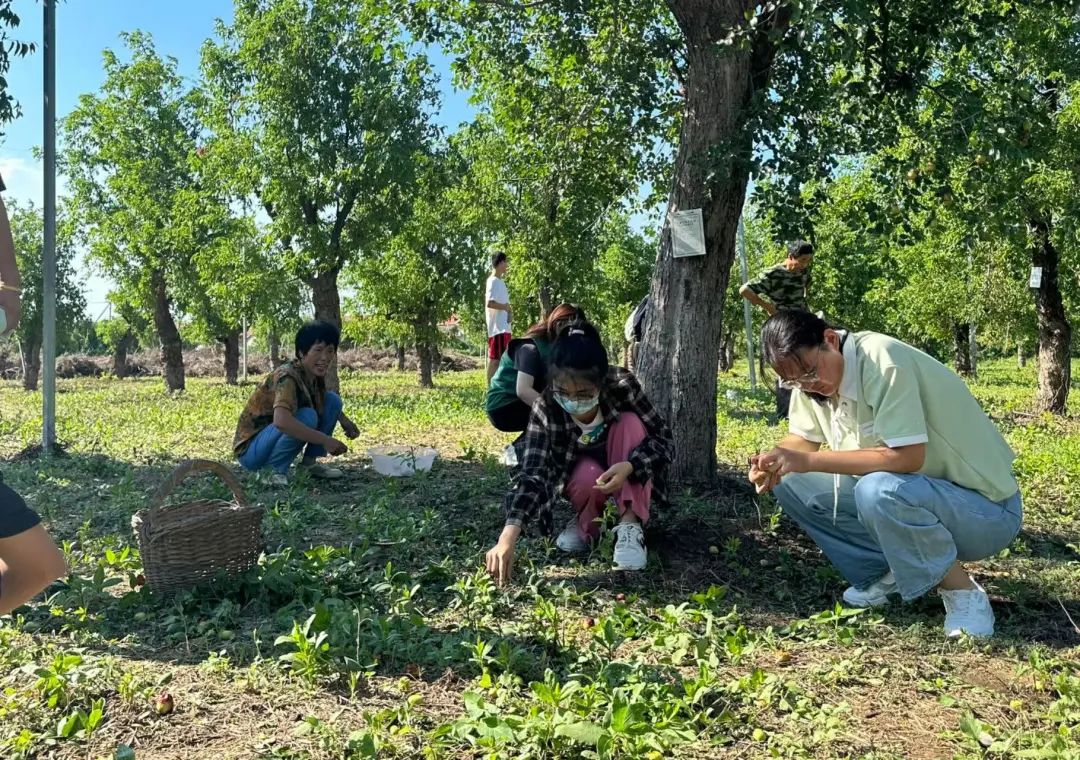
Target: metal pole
(48, 433)
(243, 321)
(748, 320)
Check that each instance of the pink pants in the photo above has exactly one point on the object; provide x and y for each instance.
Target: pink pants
(623, 437)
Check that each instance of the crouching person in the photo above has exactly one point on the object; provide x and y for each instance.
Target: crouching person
(292, 411)
(917, 479)
(594, 436)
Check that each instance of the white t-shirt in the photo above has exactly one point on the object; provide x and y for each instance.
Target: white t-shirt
(498, 321)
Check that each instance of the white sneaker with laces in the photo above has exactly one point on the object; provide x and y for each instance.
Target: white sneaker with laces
(570, 539)
(279, 480)
(630, 551)
(967, 611)
(874, 596)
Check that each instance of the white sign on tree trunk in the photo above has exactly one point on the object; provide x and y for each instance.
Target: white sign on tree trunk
(1036, 278)
(687, 233)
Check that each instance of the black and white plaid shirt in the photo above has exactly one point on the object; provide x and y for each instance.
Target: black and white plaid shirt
(552, 447)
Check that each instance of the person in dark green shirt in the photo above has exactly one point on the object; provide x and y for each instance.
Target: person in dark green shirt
(784, 286)
(522, 372)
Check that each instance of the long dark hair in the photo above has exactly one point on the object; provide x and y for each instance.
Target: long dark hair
(579, 354)
(560, 316)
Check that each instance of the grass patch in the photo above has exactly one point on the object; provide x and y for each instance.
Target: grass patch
(369, 629)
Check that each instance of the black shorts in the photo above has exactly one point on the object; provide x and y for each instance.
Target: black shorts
(512, 418)
(15, 516)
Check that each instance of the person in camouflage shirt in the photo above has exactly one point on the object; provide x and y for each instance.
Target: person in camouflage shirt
(292, 410)
(785, 286)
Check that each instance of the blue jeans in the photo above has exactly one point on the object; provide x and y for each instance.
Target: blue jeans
(272, 448)
(914, 525)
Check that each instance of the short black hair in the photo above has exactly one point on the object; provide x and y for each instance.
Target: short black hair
(497, 258)
(789, 331)
(800, 248)
(579, 353)
(317, 331)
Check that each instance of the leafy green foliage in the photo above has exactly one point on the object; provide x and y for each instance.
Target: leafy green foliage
(318, 111)
(27, 230)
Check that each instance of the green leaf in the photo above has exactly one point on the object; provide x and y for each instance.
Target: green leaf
(581, 732)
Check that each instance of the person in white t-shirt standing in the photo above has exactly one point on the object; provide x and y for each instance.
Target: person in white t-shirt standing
(497, 303)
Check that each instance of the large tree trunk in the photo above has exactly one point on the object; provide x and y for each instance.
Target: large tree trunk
(426, 351)
(120, 354)
(172, 353)
(423, 352)
(273, 341)
(327, 302)
(1055, 334)
(400, 357)
(727, 350)
(962, 348)
(31, 358)
(231, 341)
(681, 347)
(543, 296)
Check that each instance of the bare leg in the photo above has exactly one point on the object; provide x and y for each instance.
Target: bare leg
(956, 579)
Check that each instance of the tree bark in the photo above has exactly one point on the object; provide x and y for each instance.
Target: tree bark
(544, 298)
(962, 348)
(1055, 333)
(727, 352)
(231, 341)
(423, 352)
(681, 346)
(327, 302)
(1021, 359)
(273, 341)
(172, 354)
(426, 350)
(400, 357)
(31, 356)
(120, 354)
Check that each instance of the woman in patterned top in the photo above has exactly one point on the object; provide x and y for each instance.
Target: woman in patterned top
(292, 409)
(594, 435)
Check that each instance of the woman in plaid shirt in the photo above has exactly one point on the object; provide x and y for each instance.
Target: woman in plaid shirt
(595, 436)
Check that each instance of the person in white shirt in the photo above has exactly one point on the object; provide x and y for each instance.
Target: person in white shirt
(497, 303)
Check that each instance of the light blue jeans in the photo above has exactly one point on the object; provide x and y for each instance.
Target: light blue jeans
(911, 524)
(272, 448)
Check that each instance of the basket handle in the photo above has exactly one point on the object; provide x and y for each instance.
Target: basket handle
(191, 467)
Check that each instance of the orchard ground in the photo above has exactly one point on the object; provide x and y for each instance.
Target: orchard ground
(370, 630)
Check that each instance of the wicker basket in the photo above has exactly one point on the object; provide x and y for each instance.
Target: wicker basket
(186, 544)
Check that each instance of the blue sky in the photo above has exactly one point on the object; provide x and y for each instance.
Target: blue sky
(84, 29)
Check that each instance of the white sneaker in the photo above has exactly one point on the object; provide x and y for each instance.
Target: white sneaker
(874, 596)
(509, 456)
(630, 552)
(570, 539)
(279, 480)
(967, 611)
